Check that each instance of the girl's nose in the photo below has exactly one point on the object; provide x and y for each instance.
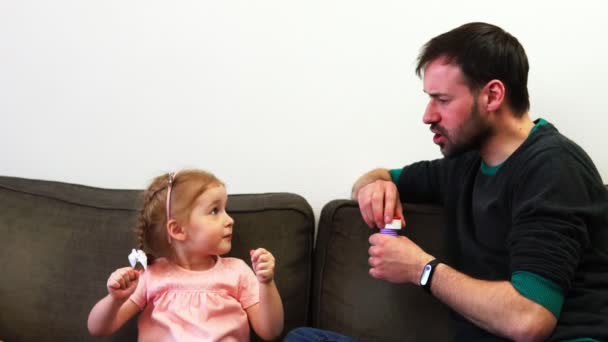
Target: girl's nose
(229, 220)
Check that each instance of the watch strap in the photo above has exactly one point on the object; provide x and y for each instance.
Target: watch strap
(432, 265)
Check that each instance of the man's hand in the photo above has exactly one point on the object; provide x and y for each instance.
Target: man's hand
(396, 259)
(379, 203)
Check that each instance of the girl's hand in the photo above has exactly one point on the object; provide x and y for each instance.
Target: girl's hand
(263, 265)
(122, 283)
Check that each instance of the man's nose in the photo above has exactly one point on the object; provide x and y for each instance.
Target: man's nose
(431, 115)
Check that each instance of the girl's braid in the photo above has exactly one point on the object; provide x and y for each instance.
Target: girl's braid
(146, 214)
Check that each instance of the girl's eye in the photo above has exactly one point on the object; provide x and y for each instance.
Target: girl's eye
(214, 211)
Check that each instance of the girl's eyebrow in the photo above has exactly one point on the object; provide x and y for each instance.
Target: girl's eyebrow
(211, 203)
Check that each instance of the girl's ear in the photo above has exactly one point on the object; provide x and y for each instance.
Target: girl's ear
(175, 231)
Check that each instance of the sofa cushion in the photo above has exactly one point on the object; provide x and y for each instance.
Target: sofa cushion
(348, 300)
(60, 242)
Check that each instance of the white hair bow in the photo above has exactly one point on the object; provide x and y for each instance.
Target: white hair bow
(138, 255)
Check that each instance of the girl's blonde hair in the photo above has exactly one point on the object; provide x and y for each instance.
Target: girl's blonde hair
(185, 187)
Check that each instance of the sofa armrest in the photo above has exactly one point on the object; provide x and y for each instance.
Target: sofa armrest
(348, 300)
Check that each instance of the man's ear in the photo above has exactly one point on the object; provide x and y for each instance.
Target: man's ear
(175, 231)
(495, 93)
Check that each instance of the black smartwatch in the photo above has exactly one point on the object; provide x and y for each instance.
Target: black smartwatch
(427, 274)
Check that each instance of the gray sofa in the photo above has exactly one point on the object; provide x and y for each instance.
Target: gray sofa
(347, 300)
(59, 243)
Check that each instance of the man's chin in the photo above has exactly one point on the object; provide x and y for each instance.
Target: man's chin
(445, 150)
(451, 153)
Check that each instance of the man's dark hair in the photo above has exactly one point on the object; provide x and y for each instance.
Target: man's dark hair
(483, 52)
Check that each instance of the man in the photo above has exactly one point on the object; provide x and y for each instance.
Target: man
(528, 205)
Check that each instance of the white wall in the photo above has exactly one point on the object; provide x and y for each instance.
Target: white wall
(298, 96)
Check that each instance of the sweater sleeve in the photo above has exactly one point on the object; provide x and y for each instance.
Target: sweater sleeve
(433, 181)
(422, 182)
(550, 207)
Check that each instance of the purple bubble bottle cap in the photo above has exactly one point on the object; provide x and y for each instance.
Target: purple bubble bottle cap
(392, 228)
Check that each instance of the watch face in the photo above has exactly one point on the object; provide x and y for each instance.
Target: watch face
(426, 272)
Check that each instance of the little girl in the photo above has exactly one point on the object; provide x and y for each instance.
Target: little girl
(189, 292)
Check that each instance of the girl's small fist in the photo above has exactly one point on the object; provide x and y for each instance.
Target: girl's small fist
(123, 282)
(263, 264)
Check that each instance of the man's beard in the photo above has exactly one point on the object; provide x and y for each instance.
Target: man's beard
(469, 136)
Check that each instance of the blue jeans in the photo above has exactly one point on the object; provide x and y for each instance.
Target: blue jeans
(318, 335)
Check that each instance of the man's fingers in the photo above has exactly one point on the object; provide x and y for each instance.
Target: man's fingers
(389, 205)
(365, 208)
(400, 213)
(369, 216)
(378, 208)
(374, 273)
(373, 262)
(379, 203)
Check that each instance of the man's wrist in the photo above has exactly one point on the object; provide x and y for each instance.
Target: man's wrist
(426, 276)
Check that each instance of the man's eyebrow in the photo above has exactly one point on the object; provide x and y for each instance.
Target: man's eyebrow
(435, 94)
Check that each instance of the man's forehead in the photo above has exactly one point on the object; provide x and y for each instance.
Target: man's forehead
(440, 75)
(443, 67)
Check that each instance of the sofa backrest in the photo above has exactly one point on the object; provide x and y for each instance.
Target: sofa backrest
(348, 300)
(59, 243)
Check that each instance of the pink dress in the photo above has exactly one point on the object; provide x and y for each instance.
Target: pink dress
(184, 305)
